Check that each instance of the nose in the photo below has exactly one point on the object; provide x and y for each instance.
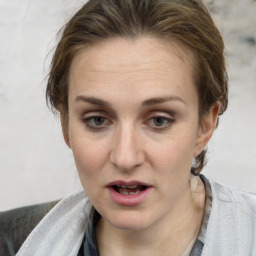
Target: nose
(127, 152)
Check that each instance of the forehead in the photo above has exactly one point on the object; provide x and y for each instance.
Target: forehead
(143, 63)
(131, 52)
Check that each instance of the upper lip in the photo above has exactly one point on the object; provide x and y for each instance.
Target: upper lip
(127, 183)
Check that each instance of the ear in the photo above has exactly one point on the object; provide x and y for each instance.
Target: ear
(64, 126)
(206, 128)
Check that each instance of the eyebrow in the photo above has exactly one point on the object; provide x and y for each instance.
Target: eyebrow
(160, 100)
(93, 100)
(148, 102)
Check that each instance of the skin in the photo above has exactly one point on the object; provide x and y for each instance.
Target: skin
(133, 136)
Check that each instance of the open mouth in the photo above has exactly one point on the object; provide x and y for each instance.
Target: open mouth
(129, 193)
(129, 190)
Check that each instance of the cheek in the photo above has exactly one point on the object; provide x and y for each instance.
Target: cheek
(89, 156)
(89, 160)
(172, 164)
(175, 153)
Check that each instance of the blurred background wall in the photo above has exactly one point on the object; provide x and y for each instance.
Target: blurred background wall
(36, 165)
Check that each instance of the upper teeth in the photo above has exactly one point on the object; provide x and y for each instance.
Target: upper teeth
(132, 186)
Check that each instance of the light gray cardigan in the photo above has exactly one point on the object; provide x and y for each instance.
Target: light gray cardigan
(231, 229)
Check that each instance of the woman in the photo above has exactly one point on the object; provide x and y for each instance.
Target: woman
(139, 86)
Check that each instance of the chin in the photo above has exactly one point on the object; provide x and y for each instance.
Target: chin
(132, 220)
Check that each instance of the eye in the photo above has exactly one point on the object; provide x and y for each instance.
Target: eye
(160, 122)
(95, 122)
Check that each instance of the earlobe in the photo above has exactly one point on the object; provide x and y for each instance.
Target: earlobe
(206, 129)
(64, 126)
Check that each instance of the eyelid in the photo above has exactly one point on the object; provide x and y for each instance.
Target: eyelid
(164, 114)
(86, 121)
(158, 114)
(164, 117)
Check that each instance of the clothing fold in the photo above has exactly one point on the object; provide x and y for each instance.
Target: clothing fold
(230, 230)
(61, 231)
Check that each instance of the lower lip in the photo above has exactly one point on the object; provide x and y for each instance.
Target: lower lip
(129, 200)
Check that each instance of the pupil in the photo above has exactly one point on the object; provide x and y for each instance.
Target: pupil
(159, 121)
(99, 120)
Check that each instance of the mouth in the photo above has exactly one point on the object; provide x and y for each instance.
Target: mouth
(129, 193)
(130, 189)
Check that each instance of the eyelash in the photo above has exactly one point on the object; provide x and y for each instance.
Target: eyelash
(88, 122)
(169, 121)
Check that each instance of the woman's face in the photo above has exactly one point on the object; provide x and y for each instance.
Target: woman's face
(133, 128)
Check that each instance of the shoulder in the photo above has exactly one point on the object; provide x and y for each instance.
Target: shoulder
(233, 196)
(62, 229)
(230, 229)
(16, 225)
(233, 204)
(223, 194)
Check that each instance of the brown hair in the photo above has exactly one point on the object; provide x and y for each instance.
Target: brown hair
(184, 21)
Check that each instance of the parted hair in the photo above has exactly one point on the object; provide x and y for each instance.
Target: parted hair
(186, 22)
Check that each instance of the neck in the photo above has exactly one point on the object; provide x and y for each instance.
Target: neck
(170, 236)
